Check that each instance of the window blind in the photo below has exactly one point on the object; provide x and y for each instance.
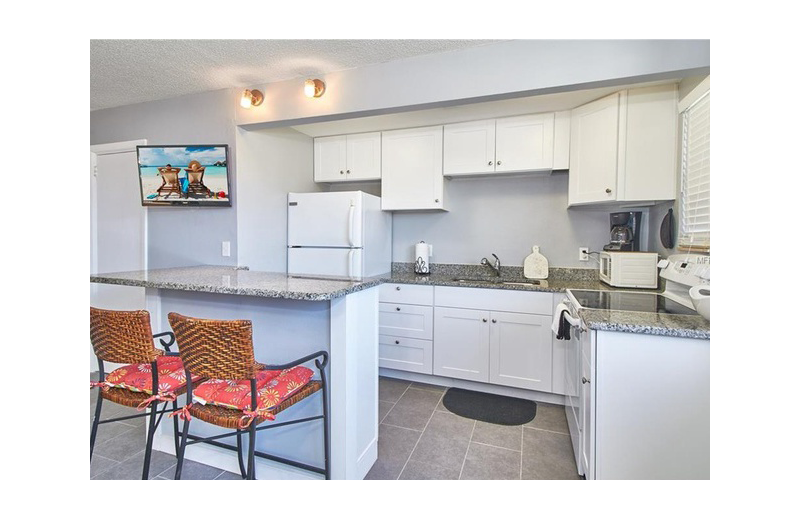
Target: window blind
(695, 233)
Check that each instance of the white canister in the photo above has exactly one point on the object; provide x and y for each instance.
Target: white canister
(422, 258)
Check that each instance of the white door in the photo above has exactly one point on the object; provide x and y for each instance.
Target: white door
(469, 148)
(118, 225)
(331, 219)
(411, 170)
(521, 351)
(525, 143)
(593, 160)
(461, 337)
(330, 158)
(344, 263)
(363, 157)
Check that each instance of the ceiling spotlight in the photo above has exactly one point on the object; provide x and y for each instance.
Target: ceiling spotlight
(314, 88)
(251, 98)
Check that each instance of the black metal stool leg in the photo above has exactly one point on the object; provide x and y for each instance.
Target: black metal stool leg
(148, 451)
(182, 449)
(251, 455)
(95, 424)
(175, 425)
(240, 454)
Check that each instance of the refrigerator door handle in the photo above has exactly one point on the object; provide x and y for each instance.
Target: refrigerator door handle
(350, 263)
(351, 224)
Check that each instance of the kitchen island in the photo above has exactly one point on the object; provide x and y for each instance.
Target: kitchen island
(292, 317)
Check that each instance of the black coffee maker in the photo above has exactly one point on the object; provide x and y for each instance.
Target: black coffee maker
(624, 231)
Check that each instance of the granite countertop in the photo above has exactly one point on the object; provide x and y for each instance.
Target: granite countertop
(230, 280)
(560, 280)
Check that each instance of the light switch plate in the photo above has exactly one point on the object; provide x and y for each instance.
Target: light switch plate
(226, 248)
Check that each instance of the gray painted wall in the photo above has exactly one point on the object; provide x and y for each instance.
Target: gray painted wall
(180, 236)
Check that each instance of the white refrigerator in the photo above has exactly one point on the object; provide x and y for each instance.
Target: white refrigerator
(338, 234)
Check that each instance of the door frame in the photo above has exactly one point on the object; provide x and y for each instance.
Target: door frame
(107, 149)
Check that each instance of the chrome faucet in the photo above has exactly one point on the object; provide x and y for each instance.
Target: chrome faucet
(496, 265)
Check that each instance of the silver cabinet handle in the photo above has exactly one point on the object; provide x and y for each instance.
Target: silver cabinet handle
(484, 320)
(584, 380)
(498, 163)
(341, 172)
(494, 321)
(436, 200)
(397, 342)
(608, 190)
(398, 308)
(490, 163)
(348, 171)
(398, 287)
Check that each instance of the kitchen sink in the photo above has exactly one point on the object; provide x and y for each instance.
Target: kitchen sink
(530, 283)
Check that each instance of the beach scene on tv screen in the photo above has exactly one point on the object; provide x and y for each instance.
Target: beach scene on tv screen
(184, 173)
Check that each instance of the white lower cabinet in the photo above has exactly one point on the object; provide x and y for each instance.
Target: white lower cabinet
(490, 343)
(461, 340)
(520, 351)
(405, 331)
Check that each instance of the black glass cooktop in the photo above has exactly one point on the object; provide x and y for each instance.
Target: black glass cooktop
(629, 301)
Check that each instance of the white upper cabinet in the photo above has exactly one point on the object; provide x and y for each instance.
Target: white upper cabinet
(509, 144)
(355, 157)
(412, 169)
(623, 147)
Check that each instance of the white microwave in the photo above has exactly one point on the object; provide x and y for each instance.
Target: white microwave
(636, 269)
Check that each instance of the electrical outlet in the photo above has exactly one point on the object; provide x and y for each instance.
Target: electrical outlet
(226, 248)
(583, 254)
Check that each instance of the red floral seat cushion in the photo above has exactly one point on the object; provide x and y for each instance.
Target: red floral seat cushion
(273, 387)
(138, 377)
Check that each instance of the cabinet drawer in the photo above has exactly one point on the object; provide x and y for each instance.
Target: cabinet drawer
(407, 321)
(406, 293)
(412, 355)
(495, 300)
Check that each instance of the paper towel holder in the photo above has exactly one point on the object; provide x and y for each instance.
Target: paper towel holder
(422, 254)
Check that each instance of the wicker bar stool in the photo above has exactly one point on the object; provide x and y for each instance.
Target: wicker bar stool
(241, 393)
(126, 337)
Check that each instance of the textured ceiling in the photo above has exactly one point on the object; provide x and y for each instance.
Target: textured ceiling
(124, 72)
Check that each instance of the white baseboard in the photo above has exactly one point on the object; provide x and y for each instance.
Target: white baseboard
(533, 395)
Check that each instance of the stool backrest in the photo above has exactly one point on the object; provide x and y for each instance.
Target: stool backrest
(122, 336)
(218, 349)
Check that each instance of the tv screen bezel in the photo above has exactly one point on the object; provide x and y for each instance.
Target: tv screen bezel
(187, 202)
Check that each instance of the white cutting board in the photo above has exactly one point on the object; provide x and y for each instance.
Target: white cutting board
(535, 265)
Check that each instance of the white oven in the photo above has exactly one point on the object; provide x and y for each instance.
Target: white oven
(635, 269)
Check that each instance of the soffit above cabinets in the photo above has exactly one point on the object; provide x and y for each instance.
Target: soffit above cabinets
(460, 113)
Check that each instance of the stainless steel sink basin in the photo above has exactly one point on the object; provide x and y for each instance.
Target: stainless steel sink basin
(496, 282)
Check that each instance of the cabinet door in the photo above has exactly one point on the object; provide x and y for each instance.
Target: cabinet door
(330, 158)
(521, 350)
(587, 403)
(364, 157)
(461, 339)
(411, 170)
(469, 148)
(524, 143)
(593, 158)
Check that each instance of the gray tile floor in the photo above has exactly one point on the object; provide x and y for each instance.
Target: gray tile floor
(418, 439)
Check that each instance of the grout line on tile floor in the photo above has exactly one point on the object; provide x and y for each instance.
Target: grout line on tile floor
(543, 430)
(463, 462)
(419, 438)
(494, 446)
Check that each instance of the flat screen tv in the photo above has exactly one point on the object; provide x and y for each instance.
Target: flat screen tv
(184, 175)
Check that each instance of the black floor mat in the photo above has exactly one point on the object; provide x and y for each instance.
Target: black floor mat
(496, 409)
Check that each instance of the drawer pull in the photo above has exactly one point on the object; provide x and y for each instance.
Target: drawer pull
(398, 287)
(484, 320)
(398, 308)
(397, 342)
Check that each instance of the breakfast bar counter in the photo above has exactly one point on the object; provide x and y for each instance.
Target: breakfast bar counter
(292, 317)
